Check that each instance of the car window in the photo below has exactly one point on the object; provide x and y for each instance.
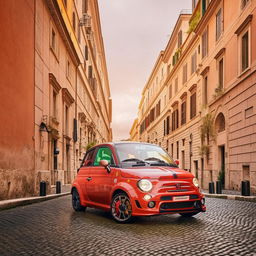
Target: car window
(88, 160)
(103, 153)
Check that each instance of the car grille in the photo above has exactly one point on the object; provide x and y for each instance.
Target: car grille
(177, 205)
(169, 198)
(170, 187)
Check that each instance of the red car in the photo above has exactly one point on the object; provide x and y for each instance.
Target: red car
(135, 179)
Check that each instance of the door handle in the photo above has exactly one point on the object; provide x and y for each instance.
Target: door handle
(89, 178)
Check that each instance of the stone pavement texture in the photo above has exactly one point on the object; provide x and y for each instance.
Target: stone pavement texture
(53, 228)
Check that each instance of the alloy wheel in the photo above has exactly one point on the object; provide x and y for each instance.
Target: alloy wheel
(121, 208)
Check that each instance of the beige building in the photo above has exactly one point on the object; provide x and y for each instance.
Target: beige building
(134, 132)
(199, 101)
(72, 103)
(59, 90)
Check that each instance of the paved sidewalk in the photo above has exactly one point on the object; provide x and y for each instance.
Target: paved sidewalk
(230, 194)
(11, 203)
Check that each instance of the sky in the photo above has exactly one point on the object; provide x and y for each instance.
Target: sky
(134, 33)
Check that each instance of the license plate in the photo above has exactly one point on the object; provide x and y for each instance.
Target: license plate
(180, 198)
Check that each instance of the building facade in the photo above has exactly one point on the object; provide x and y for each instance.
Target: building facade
(199, 102)
(71, 103)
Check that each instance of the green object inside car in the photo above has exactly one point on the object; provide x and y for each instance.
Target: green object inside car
(103, 154)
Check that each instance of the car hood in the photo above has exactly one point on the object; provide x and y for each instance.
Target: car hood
(156, 172)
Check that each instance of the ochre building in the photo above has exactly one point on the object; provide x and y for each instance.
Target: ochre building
(200, 100)
(55, 92)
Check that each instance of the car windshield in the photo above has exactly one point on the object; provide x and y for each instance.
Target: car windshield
(139, 154)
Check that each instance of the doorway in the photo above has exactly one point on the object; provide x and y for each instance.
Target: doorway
(196, 168)
(221, 176)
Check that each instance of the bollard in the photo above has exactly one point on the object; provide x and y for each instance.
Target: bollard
(245, 184)
(42, 188)
(58, 187)
(211, 188)
(218, 187)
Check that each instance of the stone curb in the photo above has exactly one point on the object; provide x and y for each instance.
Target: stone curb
(232, 197)
(7, 204)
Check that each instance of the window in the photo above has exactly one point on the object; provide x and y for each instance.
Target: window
(177, 148)
(183, 113)
(221, 73)
(53, 40)
(193, 63)
(175, 119)
(176, 84)
(158, 108)
(205, 89)
(179, 39)
(90, 72)
(66, 120)
(88, 160)
(205, 43)
(172, 149)
(164, 128)
(86, 52)
(103, 154)
(185, 74)
(84, 6)
(74, 21)
(54, 104)
(244, 3)
(218, 24)
(193, 105)
(168, 125)
(170, 91)
(245, 51)
(68, 69)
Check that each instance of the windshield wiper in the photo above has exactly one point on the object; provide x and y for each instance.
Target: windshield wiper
(133, 160)
(138, 161)
(159, 162)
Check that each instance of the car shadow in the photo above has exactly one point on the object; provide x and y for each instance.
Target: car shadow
(140, 225)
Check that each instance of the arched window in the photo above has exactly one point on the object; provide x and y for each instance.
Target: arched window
(220, 123)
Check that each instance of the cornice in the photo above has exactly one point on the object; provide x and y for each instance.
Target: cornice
(67, 97)
(244, 24)
(219, 53)
(54, 82)
(205, 18)
(60, 24)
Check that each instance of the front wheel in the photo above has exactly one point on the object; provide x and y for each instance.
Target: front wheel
(121, 209)
(76, 203)
(188, 214)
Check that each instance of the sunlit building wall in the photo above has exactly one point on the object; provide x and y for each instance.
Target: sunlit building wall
(199, 102)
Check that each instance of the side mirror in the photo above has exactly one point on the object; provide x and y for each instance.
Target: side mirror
(105, 164)
(177, 162)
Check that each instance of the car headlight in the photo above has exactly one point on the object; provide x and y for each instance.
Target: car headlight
(195, 182)
(145, 185)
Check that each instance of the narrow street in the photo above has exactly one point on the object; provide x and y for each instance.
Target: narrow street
(53, 228)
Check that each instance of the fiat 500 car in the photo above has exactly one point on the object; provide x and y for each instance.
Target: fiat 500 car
(135, 179)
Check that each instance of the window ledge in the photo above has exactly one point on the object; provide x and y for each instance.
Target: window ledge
(244, 72)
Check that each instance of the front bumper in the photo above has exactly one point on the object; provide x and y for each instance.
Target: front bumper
(166, 205)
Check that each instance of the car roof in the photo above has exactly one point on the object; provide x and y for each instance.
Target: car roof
(122, 142)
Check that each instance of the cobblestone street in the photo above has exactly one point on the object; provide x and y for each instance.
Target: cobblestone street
(53, 228)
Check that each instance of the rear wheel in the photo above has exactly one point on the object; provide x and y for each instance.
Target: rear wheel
(188, 214)
(76, 203)
(121, 208)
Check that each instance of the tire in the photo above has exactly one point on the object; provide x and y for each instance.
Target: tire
(188, 214)
(121, 208)
(76, 202)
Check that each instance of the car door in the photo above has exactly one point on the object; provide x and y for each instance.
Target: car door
(84, 172)
(100, 185)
